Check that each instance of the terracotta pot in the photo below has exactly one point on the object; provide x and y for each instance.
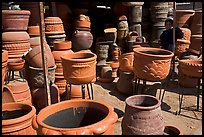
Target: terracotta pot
(110, 34)
(34, 30)
(16, 64)
(196, 23)
(191, 68)
(21, 91)
(115, 52)
(182, 16)
(4, 65)
(15, 20)
(53, 25)
(81, 40)
(196, 42)
(142, 116)
(17, 119)
(181, 47)
(83, 24)
(106, 71)
(126, 62)
(102, 52)
(186, 34)
(98, 119)
(125, 82)
(79, 67)
(76, 92)
(7, 95)
(114, 65)
(34, 57)
(62, 45)
(53, 38)
(152, 64)
(39, 97)
(172, 130)
(61, 84)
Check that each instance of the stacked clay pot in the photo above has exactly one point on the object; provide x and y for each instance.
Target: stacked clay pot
(54, 30)
(82, 38)
(61, 48)
(34, 33)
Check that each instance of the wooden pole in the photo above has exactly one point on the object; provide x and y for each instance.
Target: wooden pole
(43, 51)
(174, 39)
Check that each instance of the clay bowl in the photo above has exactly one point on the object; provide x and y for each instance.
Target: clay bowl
(16, 64)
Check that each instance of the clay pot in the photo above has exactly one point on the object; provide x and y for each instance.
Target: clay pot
(172, 130)
(181, 47)
(15, 20)
(53, 26)
(106, 71)
(126, 62)
(17, 119)
(82, 24)
(34, 57)
(142, 116)
(34, 41)
(196, 23)
(16, 64)
(191, 68)
(186, 34)
(86, 117)
(76, 92)
(53, 38)
(39, 97)
(114, 65)
(115, 52)
(21, 91)
(102, 52)
(62, 45)
(79, 67)
(7, 95)
(4, 65)
(125, 82)
(110, 34)
(61, 84)
(81, 40)
(34, 31)
(182, 16)
(135, 15)
(140, 42)
(151, 64)
(196, 42)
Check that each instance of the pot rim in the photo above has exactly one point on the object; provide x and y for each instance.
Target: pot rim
(50, 68)
(16, 12)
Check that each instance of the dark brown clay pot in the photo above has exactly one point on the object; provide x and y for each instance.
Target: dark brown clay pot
(17, 119)
(53, 25)
(16, 64)
(4, 65)
(142, 116)
(15, 20)
(34, 30)
(81, 40)
(172, 130)
(151, 64)
(7, 95)
(86, 117)
(196, 42)
(191, 68)
(79, 67)
(21, 91)
(182, 16)
(126, 62)
(196, 23)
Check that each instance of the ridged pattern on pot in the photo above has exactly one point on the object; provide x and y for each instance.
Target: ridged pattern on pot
(142, 116)
(61, 84)
(102, 127)
(15, 20)
(21, 125)
(79, 68)
(54, 25)
(151, 64)
(126, 61)
(191, 68)
(186, 34)
(22, 46)
(182, 16)
(181, 46)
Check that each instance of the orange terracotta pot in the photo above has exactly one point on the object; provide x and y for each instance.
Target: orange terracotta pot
(16, 64)
(76, 92)
(61, 84)
(151, 64)
(182, 16)
(4, 65)
(53, 25)
(34, 30)
(86, 117)
(114, 65)
(79, 67)
(126, 62)
(187, 34)
(181, 47)
(17, 119)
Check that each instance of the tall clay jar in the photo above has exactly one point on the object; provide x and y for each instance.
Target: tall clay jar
(17, 119)
(4, 65)
(142, 116)
(102, 52)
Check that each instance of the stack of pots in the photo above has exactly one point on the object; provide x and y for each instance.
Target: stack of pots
(54, 30)
(159, 11)
(61, 48)
(82, 38)
(34, 33)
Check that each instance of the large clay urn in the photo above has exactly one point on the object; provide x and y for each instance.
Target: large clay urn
(143, 116)
(79, 67)
(17, 119)
(53, 26)
(126, 62)
(182, 16)
(76, 117)
(151, 64)
(4, 65)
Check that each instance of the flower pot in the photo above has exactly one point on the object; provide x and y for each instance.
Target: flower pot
(76, 92)
(79, 67)
(53, 38)
(172, 130)
(142, 116)
(126, 62)
(4, 65)
(17, 119)
(151, 64)
(15, 20)
(34, 30)
(61, 84)
(182, 16)
(16, 64)
(83, 24)
(86, 117)
(181, 47)
(53, 26)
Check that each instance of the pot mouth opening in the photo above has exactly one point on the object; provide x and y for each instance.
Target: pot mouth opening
(170, 130)
(79, 56)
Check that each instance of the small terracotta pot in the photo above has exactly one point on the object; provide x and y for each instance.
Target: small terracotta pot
(172, 130)
(17, 119)
(76, 92)
(34, 30)
(61, 84)
(83, 24)
(79, 67)
(187, 34)
(53, 38)
(53, 25)
(62, 45)
(15, 20)
(4, 65)
(126, 62)
(182, 16)
(86, 117)
(16, 64)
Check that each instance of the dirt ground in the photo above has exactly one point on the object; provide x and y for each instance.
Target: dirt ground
(189, 121)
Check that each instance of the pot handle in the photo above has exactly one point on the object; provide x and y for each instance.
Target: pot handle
(142, 37)
(34, 123)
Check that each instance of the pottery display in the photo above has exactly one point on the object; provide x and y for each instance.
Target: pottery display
(4, 65)
(151, 64)
(17, 119)
(196, 42)
(86, 117)
(196, 23)
(142, 116)
(172, 130)
(126, 62)
(53, 25)
(102, 52)
(182, 16)
(79, 67)
(15, 20)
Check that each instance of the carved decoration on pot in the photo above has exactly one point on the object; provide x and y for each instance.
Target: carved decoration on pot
(182, 16)
(142, 116)
(126, 62)
(151, 64)
(53, 25)
(181, 47)
(102, 52)
(4, 65)
(87, 117)
(17, 119)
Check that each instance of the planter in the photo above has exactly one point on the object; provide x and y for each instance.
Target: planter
(99, 118)
(102, 52)
(181, 47)
(83, 24)
(152, 64)
(54, 38)
(142, 116)
(61, 84)
(17, 119)
(196, 23)
(110, 35)
(15, 20)
(182, 16)
(79, 67)
(196, 42)
(4, 65)
(191, 68)
(172, 130)
(126, 62)
(7, 95)
(16, 64)
(53, 26)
